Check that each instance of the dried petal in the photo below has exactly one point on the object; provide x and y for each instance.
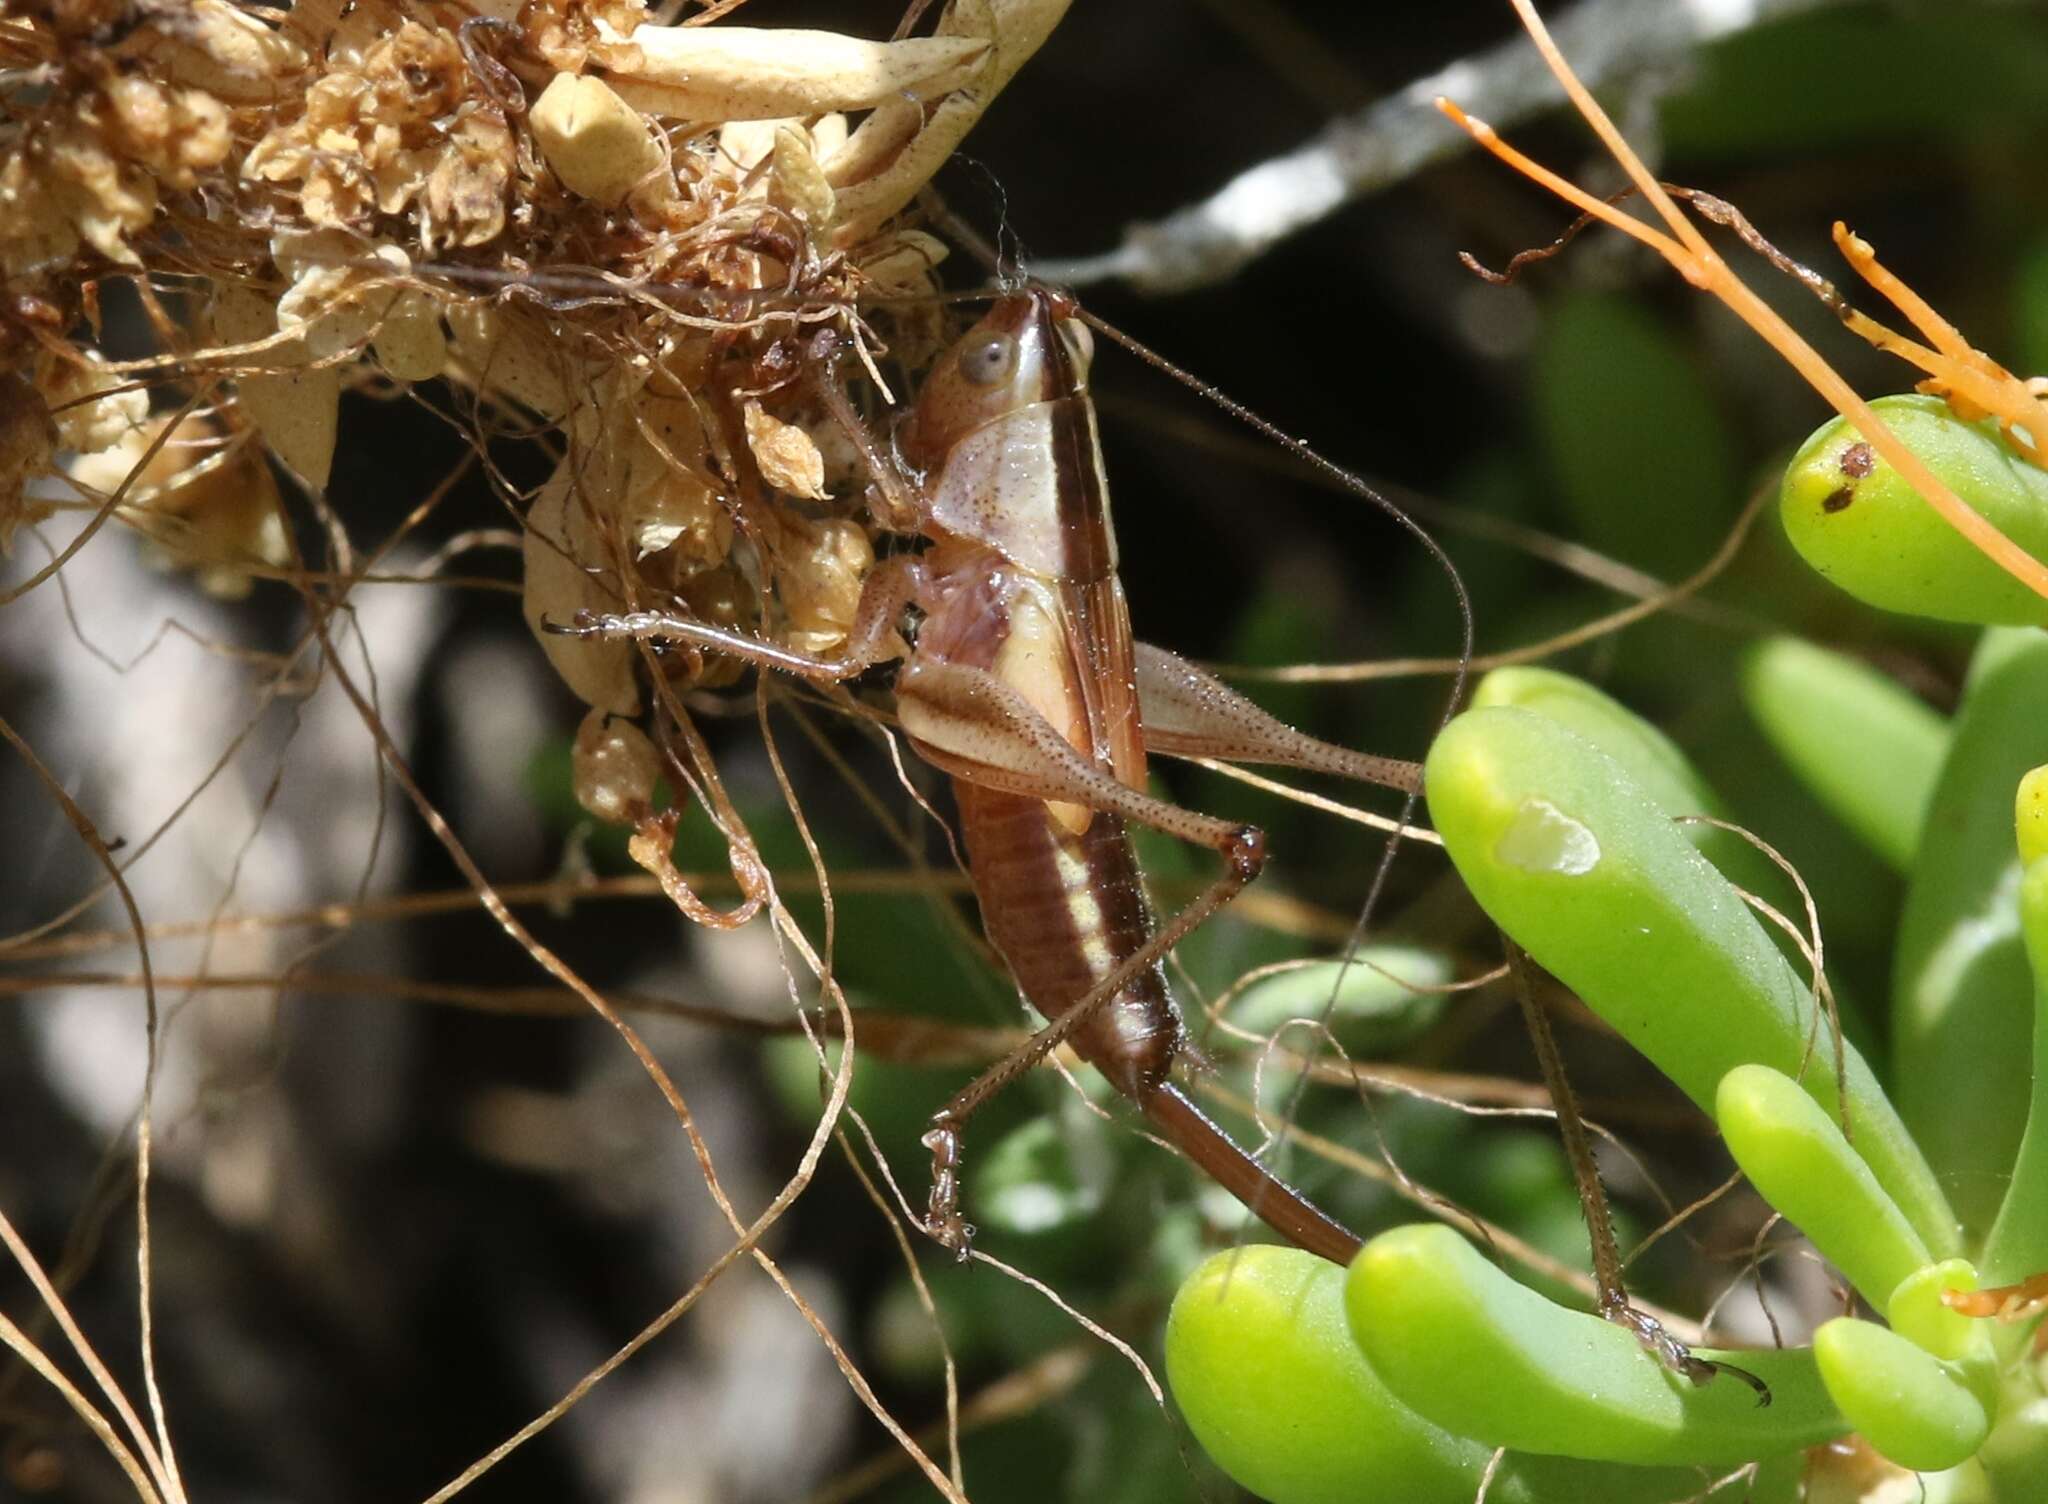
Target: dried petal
(408, 341)
(819, 574)
(297, 412)
(902, 143)
(559, 538)
(92, 409)
(205, 500)
(503, 352)
(788, 458)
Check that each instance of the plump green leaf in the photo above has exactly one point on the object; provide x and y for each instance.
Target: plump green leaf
(1566, 853)
(1915, 1310)
(1861, 742)
(1796, 1155)
(1262, 1364)
(1909, 1405)
(1962, 997)
(1484, 1356)
(1853, 518)
(2017, 1246)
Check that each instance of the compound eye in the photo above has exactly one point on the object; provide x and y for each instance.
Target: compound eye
(987, 362)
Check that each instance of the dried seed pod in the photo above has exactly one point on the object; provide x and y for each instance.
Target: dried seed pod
(798, 182)
(597, 144)
(613, 768)
(395, 125)
(746, 73)
(212, 45)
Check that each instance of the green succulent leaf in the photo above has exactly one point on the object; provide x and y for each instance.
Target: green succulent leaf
(1909, 1405)
(1856, 521)
(1262, 1364)
(2017, 1245)
(1484, 1356)
(1864, 745)
(1962, 1014)
(1796, 1155)
(1565, 851)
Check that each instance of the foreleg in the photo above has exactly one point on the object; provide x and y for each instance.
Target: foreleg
(883, 597)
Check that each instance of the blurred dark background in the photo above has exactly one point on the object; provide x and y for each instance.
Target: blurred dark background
(388, 1230)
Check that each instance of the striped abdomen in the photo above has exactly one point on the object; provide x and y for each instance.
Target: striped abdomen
(1064, 910)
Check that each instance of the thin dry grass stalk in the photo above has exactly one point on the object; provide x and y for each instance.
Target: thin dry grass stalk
(616, 237)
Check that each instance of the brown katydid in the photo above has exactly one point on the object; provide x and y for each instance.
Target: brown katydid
(1026, 686)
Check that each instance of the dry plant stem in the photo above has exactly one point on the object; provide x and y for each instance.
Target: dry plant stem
(749, 1234)
(1044, 1379)
(36, 1358)
(1308, 800)
(1703, 267)
(898, 1220)
(903, 1038)
(906, 1038)
(164, 1461)
(1378, 146)
(1283, 915)
(53, 1302)
(1535, 652)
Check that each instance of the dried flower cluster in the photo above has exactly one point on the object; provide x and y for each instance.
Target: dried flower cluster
(626, 230)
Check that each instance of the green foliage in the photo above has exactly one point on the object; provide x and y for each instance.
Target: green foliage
(1644, 466)
(1566, 853)
(1861, 742)
(1801, 1161)
(1430, 1312)
(1261, 1360)
(1959, 1004)
(1856, 520)
(1557, 807)
(1909, 1405)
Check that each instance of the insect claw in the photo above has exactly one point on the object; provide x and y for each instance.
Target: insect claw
(942, 1220)
(1672, 1353)
(950, 1231)
(1763, 1390)
(587, 623)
